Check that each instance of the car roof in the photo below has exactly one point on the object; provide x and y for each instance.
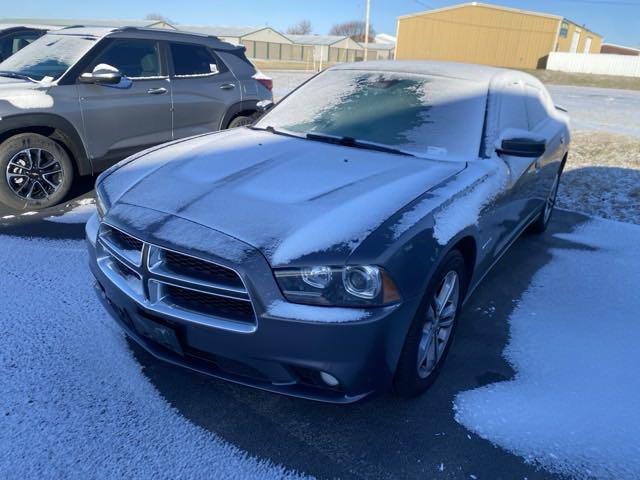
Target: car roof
(25, 26)
(462, 71)
(150, 33)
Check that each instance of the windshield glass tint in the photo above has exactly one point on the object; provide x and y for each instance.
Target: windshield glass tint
(49, 56)
(427, 116)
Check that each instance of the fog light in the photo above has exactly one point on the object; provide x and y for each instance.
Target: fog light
(329, 379)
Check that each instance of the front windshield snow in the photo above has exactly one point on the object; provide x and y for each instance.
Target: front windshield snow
(48, 57)
(426, 116)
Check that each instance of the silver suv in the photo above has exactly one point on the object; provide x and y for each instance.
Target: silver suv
(77, 100)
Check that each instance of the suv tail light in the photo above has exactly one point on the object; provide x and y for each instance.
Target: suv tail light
(266, 81)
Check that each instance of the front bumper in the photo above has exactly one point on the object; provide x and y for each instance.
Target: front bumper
(281, 355)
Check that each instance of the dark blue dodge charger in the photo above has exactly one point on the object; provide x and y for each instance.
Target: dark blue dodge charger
(326, 251)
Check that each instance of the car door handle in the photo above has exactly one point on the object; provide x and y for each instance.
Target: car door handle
(157, 91)
(227, 86)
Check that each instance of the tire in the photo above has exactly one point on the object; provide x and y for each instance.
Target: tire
(51, 172)
(412, 376)
(541, 223)
(241, 121)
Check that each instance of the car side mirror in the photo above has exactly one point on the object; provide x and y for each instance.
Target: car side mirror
(520, 143)
(264, 106)
(102, 74)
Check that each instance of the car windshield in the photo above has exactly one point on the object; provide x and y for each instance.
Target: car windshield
(48, 57)
(426, 116)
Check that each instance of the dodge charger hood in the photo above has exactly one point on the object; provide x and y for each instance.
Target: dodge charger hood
(288, 197)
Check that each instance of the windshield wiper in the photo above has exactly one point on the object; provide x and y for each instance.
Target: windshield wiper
(355, 143)
(7, 73)
(272, 129)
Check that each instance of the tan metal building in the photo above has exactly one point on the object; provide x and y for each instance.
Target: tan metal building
(490, 34)
(60, 22)
(263, 43)
(329, 48)
(379, 51)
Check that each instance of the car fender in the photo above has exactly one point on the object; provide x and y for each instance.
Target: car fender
(62, 131)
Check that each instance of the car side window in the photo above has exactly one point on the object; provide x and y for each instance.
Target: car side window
(11, 43)
(193, 60)
(134, 58)
(513, 112)
(536, 111)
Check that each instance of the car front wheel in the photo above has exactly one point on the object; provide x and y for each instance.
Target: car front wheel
(431, 332)
(542, 222)
(36, 172)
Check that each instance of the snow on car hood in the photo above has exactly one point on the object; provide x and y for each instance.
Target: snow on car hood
(287, 197)
(23, 95)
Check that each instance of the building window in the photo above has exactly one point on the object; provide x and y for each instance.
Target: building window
(564, 29)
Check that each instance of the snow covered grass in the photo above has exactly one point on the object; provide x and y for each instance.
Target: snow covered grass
(74, 402)
(602, 176)
(573, 404)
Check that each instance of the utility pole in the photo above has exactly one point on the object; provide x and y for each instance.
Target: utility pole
(366, 31)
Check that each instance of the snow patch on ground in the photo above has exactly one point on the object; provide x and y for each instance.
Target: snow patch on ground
(78, 214)
(573, 404)
(308, 313)
(74, 402)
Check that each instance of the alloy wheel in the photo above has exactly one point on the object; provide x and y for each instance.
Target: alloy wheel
(34, 174)
(439, 323)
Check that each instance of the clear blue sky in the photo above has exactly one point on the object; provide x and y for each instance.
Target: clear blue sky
(617, 20)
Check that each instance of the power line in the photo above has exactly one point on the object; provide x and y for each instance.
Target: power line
(424, 4)
(604, 2)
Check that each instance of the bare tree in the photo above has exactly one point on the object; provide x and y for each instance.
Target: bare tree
(157, 17)
(303, 27)
(353, 29)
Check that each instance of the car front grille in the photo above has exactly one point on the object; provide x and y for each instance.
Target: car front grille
(209, 304)
(187, 266)
(175, 284)
(125, 241)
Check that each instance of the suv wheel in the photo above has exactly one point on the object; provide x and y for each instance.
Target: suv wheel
(431, 332)
(36, 172)
(241, 121)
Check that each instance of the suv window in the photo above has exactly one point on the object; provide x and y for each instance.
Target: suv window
(10, 44)
(536, 111)
(513, 113)
(134, 58)
(193, 60)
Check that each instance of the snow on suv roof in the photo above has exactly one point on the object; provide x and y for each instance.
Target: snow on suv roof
(464, 71)
(85, 31)
(144, 32)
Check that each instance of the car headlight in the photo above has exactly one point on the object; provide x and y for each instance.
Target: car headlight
(102, 204)
(359, 285)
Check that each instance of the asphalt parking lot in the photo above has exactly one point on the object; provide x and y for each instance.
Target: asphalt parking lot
(383, 437)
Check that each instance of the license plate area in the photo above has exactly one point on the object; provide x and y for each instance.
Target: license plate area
(158, 333)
